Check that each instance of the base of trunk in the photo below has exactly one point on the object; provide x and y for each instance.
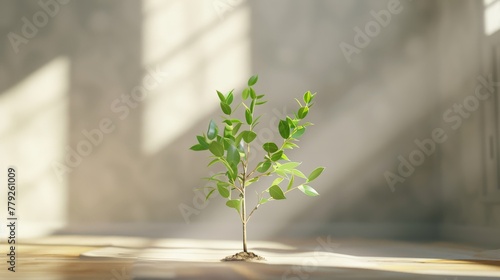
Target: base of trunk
(243, 257)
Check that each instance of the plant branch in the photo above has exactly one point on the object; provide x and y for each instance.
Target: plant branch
(251, 213)
(261, 175)
(253, 171)
(269, 199)
(287, 191)
(243, 216)
(242, 213)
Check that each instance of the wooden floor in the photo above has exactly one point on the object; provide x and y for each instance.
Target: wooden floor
(121, 258)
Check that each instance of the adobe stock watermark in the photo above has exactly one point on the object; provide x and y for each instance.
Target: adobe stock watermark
(363, 37)
(123, 274)
(222, 7)
(30, 27)
(198, 203)
(309, 265)
(454, 118)
(121, 106)
(265, 134)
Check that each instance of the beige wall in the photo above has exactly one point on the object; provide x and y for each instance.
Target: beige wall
(470, 201)
(371, 109)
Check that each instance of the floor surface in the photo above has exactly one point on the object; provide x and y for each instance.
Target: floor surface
(122, 258)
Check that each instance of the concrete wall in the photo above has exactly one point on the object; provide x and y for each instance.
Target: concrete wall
(374, 106)
(469, 174)
(370, 110)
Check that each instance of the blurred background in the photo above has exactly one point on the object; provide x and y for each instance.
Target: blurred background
(101, 100)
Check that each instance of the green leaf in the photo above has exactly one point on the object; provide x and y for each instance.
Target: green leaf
(277, 156)
(285, 157)
(248, 116)
(251, 181)
(303, 112)
(216, 148)
(229, 169)
(264, 166)
(228, 132)
(299, 133)
(289, 145)
(291, 123)
(263, 200)
(230, 97)
(229, 127)
(276, 192)
(241, 146)
(289, 165)
(252, 93)
(214, 177)
(290, 183)
(315, 174)
(221, 96)
(261, 103)
(233, 155)
(308, 190)
(239, 138)
(234, 171)
(256, 121)
(198, 147)
(307, 97)
(312, 96)
(225, 108)
(222, 183)
(213, 162)
(236, 128)
(245, 93)
(270, 147)
(280, 172)
(209, 194)
(213, 130)
(202, 141)
(248, 136)
(252, 106)
(277, 181)
(253, 80)
(298, 173)
(260, 96)
(223, 191)
(226, 142)
(284, 129)
(234, 203)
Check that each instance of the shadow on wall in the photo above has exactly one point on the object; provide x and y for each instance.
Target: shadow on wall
(368, 112)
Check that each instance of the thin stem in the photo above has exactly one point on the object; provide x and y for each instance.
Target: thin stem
(251, 213)
(269, 199)
(292, 189)
(263, 174)
(243, 214)
(253, 171)
(243, 198)
(236, 187)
